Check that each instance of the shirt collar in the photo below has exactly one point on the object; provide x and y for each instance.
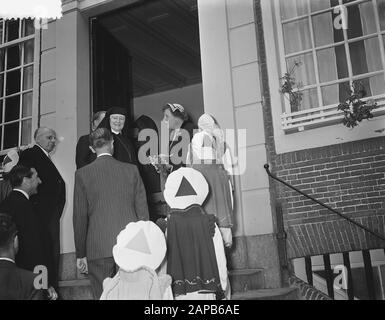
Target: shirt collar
(116, 132)
(23, 192)
(7, 259)
(104, 154)
(45, 152)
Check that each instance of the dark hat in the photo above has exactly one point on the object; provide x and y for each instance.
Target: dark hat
(117, 110)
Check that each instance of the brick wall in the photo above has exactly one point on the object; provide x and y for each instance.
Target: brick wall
(349, 177)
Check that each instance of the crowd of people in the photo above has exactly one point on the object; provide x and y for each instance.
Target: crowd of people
(122, 238)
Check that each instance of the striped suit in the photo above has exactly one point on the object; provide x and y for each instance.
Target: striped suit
(108, 195)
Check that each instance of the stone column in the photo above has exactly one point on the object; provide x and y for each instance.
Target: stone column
(232, 94)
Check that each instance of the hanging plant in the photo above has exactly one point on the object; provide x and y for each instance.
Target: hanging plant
(355, 110)
(290, 88)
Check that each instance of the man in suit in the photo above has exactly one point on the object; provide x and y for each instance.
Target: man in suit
(50, 200)
(84, 155)
(32, 252)
(108, 195)
(15, 283)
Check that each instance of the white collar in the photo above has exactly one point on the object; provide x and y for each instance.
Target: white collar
(116, 132)
(7, 259)
(45, 152)
(104, 154)
(23, 192)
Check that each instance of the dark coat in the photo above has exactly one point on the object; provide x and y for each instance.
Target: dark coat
(17, 284)
(31, 246)
(84, 155)
(108, 195)
(124, 149)
(51, 196)
(189, 127)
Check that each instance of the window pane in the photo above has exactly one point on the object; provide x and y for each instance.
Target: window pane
(374, 85)
(324, 29)
(316, 5)
(28, 51)
(12, 108)
(1, 111)
(361, 20)
(26, 130)
(365, 56)
(12, 29)
(27, 104)
(28, 27)
(1, 85)
(1, 31)
(335, 93)
(332, 64)
(11, 135)
(304, 72)
(2, 60)
(28, 78)
(13, 82)
(381, 13)
(293, 8)
(309, 99)
(296, 36)
(13, 57)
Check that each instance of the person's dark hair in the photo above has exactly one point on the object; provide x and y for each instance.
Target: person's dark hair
(17, 174)
(145, 122)
(97, 115)
(7, 230)
(176, 113)
(100, 137)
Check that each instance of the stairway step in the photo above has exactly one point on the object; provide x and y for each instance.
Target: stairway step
(75, 289)
(267, 294)
(243, 280)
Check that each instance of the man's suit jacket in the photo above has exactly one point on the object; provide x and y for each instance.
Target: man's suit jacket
(17, 284)
(51, 196)
(84, 155)
(31, 246)
(108, 195)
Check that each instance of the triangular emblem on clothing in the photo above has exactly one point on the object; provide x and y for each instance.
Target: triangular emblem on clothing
(185, 189)
(139, 243)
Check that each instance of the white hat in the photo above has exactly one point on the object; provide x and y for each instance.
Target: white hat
(140, 244)
(184, 187)
(10, 160)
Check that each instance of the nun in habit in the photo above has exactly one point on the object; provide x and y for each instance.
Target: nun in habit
(209, 155)
(116, 121)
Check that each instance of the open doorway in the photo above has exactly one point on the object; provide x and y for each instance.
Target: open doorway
(146, 55)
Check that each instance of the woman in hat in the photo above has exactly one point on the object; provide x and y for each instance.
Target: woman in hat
(208, 154)
(116, 121)
(177, 119)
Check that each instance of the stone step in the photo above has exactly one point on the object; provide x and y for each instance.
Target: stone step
(246, 279)
(75, 290)
(267, 294)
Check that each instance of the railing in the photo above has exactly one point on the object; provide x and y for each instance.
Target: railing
(329, 277)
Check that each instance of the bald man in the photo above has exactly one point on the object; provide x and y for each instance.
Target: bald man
(51, 196)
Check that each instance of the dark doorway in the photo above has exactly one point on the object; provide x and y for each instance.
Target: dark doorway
(111, 71)
(142, 53)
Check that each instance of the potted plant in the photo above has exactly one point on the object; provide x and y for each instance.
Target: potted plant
(355, 110)
(290, 88)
